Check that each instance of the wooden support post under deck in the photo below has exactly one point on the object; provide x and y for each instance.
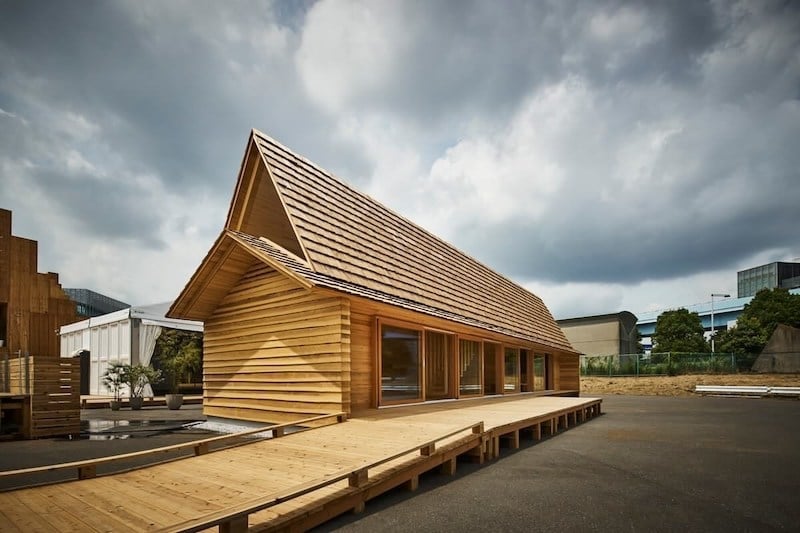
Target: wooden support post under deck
(87, 472)
(236, 525)
(538, 431)
(201, 448)
(358, 478)
(449, 467)
(412, 484)
(514, 439)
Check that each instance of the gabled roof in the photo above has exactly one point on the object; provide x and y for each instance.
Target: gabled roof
(308, 224)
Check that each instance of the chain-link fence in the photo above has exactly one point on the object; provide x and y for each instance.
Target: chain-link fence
(663, 364)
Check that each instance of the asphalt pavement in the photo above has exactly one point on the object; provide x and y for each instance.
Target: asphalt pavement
(104, 432)
(647, 464)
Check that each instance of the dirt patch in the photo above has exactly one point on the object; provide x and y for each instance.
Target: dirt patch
(679, 385)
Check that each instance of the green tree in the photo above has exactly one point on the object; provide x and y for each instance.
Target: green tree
(179, 354)
(758, 320)
(679, 331)
(773, 307)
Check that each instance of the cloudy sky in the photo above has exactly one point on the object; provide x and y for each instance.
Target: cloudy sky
(606, 155)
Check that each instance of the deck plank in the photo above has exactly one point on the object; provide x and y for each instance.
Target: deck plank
(161, 495)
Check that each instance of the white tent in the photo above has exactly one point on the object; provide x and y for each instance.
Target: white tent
(127, 336)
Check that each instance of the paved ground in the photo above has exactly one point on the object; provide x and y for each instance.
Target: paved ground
(648, 464)
(107, 433)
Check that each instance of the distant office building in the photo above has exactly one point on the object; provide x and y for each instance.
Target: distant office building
(726, 311)
(90, 304)
(611, 334)
(770, 276)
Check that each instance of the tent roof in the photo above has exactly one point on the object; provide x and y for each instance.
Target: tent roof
(314, 228)
(149, 314)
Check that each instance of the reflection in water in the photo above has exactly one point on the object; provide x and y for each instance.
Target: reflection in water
(125, 429)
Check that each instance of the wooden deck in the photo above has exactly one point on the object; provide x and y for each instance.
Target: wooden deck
(296, 481)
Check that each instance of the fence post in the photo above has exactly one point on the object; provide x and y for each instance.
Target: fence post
(27, 372)
(6, 374)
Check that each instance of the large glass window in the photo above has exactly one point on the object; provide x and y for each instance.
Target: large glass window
(469, 367)
(438, 361)
(400, 369)
(539, 369)
(511, 374)
(490, 361)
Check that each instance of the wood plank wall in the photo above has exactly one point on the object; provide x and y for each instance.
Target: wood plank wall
(569, 373)
(36, 304)
(54, 386)
(276, 352)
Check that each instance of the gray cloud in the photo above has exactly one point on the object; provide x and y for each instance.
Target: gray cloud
(609, 142)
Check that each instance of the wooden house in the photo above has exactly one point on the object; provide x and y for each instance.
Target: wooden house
(317, 299)
(32, 305)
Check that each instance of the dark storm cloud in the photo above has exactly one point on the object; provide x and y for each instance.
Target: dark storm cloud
(125, 211)
(630, 140)
(719, 188)
(172, 92)
(458, 59)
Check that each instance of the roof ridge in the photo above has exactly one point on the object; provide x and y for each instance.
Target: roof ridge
(340, 181)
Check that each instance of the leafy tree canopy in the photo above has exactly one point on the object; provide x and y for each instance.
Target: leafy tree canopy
(679, 331)
(758, 321)
(747, 337)
(773, 307)
(180, 354)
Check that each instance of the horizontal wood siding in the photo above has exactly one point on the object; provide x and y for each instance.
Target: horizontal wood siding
(568, 375)
(276, 352)
(54, 388)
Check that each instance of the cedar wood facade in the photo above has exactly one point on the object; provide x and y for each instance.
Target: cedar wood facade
(318, 299)
(32, 305)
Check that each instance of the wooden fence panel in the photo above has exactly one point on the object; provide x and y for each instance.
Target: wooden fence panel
(54, 386)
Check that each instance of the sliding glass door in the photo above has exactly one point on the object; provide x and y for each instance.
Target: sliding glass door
(400, 365)
(469, 367)
(511, 370)
(438, 365)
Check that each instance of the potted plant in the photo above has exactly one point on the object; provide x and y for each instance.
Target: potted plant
(179, 367)
(179, 354)
(114, 378)
(138, 377)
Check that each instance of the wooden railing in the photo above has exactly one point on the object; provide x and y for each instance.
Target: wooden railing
(88, 468)
(236, 518)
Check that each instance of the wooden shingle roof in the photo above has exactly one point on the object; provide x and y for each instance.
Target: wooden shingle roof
(326, 232)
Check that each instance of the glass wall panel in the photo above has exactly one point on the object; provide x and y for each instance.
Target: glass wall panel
(490, 355)
(511, 374)
(539, 380)
(525, 371)
(438, 363)
(400, 375)
(469, 367)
